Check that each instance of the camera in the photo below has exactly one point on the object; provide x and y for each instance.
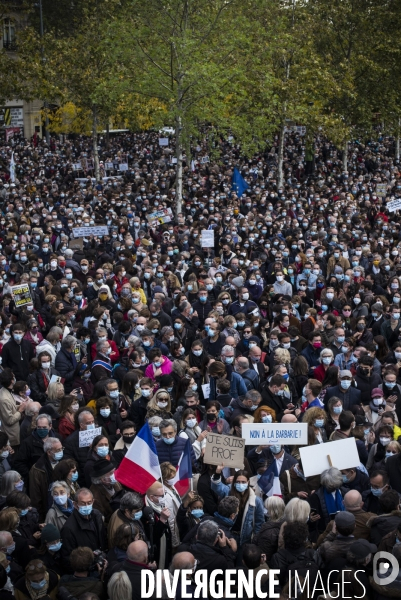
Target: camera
(99, 558)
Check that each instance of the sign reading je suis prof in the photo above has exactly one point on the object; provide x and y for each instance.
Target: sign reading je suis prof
(264, 434)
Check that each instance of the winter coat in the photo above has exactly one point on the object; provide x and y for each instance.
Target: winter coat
(82, 585)
(253, 516)
(10, 417)
(137, 412)
(238, 387)
(40, 478)
(66, 365)
(383, 524)
(29, 452)
(105, 503)
(17, 357)
(267, 539)
(56, 517)
(80, 455)
(294, 484)
(172, 452)
(81, 531)
(36, 382)
(21, 591)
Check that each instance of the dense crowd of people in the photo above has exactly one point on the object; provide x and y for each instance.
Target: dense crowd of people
(293, 315)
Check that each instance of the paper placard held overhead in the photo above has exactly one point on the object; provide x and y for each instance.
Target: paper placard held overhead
(163, 141)
(394, 205)
(226, 450)
(264, 434)
(342, 454)
(21, 294)
(87, 231)
(207, 238)
(86, 437)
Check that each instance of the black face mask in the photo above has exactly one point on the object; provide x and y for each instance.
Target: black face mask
(128, 439)
(211, 417)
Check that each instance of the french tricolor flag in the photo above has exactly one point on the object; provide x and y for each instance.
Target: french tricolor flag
(269, 483)
(140, 467)
(183, 476)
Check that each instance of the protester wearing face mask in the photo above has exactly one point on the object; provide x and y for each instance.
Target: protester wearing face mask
(62, 506)
(390, 329)
(37, 580)
(189, 429)
(251, 515)
(39, 379)
(213, 422)
(344, 390)
(159, 405)
(295, 484)
(11, 408)
(138, 408)
(172, 500)
(377, 453)
(106, 490)
(346, 360)
(365, 378)
(170, 446)
(39, 478)
(316, 419)
(327, 359)
(108, 418)
(264, 414)
(225, 370)
(379, 483)
(17, 352)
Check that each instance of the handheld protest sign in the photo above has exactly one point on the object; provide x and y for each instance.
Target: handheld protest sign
(21, 294)
(264, 434)
(224, 449)
(342, 454)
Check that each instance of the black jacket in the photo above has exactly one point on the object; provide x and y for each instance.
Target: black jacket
(17, 357)
(29, 452)
(80, 455)
(211, 557)
(384, 524)
(203, 309)
(37, 385)
(366, 385)
(138, 412)
(66, 365)
(267, 539)
(393, 468)
(277, 403)
(266, 455)
(80, 531)
(134, 571)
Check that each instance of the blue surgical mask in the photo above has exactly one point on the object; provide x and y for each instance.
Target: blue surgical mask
(102, 451)
(229, 360)
(345, 479)
(105, 412)
(197, 513)
(24, 512)
(90, 426)
(319, 422)
(38, 585)
(85, 510)
(74, 476)
(137, 515)
(241, 487)
(58, 455)
(169, 440)
(267, 419)
(275, 448)
(337, 410)
(156, 431)
(55, 547)
(345, 384)
(376, 492)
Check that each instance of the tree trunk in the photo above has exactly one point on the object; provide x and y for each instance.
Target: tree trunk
(345, 156)
(108, 134)
(178, 169)
(397, 142)
(94, 137)
(280, 174)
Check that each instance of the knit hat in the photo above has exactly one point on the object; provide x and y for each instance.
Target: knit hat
(345, 519)
(50, 533)
(102, 467)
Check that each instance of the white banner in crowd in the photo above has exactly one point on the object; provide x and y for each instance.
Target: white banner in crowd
(342, 454)
(264, 434)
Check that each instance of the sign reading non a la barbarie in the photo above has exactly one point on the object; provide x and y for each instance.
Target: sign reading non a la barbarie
(226, 450)
(21, 294)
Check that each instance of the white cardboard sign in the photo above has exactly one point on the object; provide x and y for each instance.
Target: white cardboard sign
(394, 205)
(86, 437)
(265, 434)
(87, 231)
(207, 238)
(342, 454)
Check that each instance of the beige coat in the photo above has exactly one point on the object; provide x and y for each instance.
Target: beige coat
(10, 417)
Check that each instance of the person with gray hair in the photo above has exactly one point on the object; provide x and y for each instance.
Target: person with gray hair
(327, 499)
(62, 505)
(213, 547)
(101, 366)
(66, 361)
(119, 587)
(130, 510)
(40, 475)
(31, 411)
(72, 447)
(170, 447)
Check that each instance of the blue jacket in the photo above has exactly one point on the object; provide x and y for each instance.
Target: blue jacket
(312, 355)
(238, 387)
(172, 452)
(253, 517)
(351, 397)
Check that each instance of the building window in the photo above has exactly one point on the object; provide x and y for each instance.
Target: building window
(9, 34)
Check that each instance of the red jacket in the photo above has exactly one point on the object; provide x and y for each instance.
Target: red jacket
(114, 355)
(120, 283)
(65, 427)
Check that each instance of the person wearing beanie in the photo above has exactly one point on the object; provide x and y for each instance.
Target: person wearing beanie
(106, 490)
(49, 551)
